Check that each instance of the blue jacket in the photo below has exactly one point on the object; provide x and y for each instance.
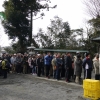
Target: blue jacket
(47, 60)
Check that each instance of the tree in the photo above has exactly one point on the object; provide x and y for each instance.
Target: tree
(93, 9)
(18, 22)
(56, 36)
(9, 50)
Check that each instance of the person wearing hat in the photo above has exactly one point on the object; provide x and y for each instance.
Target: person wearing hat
(88, 66)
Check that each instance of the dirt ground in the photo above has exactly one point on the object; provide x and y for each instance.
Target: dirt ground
(29, 87)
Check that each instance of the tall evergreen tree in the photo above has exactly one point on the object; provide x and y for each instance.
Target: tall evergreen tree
(18, 22)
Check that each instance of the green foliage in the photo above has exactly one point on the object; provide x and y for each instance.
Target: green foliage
(18, 22)
(9, 50)
(59, 35)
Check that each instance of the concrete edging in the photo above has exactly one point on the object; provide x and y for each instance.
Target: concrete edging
(60, 81)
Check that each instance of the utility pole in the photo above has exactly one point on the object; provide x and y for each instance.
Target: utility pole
(31, 25)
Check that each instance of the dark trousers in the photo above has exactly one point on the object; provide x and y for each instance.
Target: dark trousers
(39, 71)
(28, 69)
(88, 73)
(1, 71)
(58, 73)
(47, 70)
(84, 73)
(68, 74)
(54, 74)
(97, 77)
(31, 70)
(42, 69)
(18, 68)
(4, 73)
(63, 72)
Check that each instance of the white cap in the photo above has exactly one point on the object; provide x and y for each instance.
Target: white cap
(38, 54)
(14, 54)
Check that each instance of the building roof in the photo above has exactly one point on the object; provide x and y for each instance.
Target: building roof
(60, 50)
(96, 39)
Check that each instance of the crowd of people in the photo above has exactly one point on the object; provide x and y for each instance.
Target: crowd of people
(59, 66)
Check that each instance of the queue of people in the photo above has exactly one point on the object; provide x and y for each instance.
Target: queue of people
(58, 66)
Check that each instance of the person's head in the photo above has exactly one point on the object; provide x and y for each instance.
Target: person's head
(68, 54)
(88, 55)
(39, 55)
(54, 56)
(77, 53)
(97, 56)
(78, 56)
(14, 55)
(58, 55)
(49, 53)
(62, 56)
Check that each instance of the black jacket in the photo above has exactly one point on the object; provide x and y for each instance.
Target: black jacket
(39, 62)
(68, 62)
(89, 62)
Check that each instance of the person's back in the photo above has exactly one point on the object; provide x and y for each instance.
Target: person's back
(47, 60)
(68, 67)
(96, 67)
(4, 68)
(53, 62)
(87, 65)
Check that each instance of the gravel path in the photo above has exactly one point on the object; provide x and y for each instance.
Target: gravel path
(28, 87)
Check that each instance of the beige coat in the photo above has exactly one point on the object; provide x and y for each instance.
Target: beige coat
(54, 63)
(96, 66)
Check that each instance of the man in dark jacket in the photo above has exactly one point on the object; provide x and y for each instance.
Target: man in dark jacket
(39, 64)
(68, 66)
(87, 65)
(58, 66)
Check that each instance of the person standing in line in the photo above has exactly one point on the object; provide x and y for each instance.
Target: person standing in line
(51, 68)
(47, 61)
(78, 70)
(18, 63)
(44, 63)
(83, 63)
(96, 67)
(25, 63)
(34, 65)
(13, 63)
(63, 66)
(30, 64)
(5, 66)
(39, 65)
(54, 66)
(68, 66)
(58, 65)
(42, 66)
(88, 66)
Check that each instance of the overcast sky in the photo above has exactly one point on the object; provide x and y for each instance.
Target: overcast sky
(69, 10)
